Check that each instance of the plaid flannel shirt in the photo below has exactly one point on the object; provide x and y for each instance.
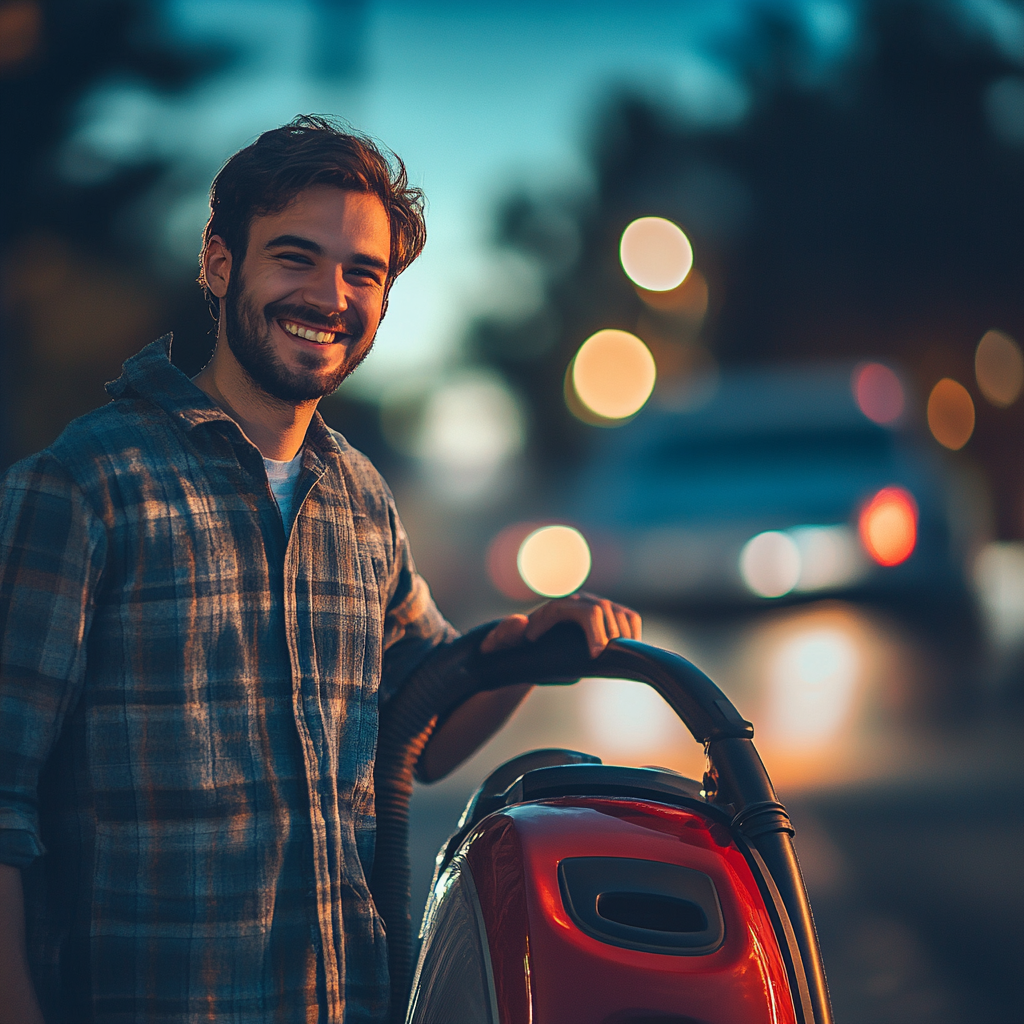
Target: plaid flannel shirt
(188, 712)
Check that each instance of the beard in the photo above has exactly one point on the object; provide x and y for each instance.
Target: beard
(247, 330)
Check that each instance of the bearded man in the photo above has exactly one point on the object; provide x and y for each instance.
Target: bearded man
(205, 597)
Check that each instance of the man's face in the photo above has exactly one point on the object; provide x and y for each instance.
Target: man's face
(302, 310)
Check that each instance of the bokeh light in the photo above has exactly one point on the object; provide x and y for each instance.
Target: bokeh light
(472, 422)
(554, 560)
(999, 368)
(613, 374)
(999, 581)
(502, 560)
(655, 254)
(21, 25)
(468, 433)
(627, 719)
(830, 557)
(888, 526)
(770, 564)
(878, 392)
(812, 685)
(950, 414)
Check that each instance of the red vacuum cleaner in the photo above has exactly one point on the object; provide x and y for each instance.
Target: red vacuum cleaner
(575, 892)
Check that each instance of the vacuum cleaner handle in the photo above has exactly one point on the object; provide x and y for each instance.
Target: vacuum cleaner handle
(736, 779)
(561, 656)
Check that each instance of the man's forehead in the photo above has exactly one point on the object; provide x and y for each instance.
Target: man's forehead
(327, 213)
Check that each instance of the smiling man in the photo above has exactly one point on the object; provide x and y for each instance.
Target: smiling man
(205, 597)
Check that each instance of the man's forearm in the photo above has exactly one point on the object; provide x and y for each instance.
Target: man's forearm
(18, 1004)
(465, 731)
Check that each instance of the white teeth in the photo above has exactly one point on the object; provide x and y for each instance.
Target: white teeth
(322, 337)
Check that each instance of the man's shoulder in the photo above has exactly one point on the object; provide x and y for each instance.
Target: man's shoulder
(117, 429)
(95, 447)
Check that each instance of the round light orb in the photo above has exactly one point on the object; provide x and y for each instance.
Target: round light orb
(999, 368)
(878, 392)
(655, 254)
(613, 374)
(770, 564)
(554, 560)
(950, 414)
(888, 526)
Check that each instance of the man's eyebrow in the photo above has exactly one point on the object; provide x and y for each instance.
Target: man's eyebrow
(366, 260)
(296, 242)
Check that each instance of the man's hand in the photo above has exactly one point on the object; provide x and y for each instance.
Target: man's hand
(602, 621)
(483, 714)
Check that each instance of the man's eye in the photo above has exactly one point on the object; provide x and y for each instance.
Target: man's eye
(294, 257)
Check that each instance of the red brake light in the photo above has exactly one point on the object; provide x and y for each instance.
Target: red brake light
(888, 526)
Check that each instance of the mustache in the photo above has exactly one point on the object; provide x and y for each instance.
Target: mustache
(307, 315)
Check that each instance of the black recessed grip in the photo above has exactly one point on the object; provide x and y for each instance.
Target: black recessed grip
(643, 904)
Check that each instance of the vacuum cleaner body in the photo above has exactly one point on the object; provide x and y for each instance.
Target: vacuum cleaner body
(629, 908)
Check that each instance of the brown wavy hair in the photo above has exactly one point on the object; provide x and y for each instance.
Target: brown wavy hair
(265, 177)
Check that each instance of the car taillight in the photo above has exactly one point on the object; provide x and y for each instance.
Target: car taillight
(888, 526)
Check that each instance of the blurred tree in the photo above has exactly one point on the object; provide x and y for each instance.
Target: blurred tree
(874, 213)
(76, 298)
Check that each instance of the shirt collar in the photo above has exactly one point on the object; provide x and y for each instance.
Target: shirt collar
(151, 375)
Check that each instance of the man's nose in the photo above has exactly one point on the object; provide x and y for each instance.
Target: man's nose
(328, 292)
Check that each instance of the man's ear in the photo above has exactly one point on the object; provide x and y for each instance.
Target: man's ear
(217, 266)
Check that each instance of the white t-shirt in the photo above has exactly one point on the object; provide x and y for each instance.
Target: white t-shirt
(283, 477)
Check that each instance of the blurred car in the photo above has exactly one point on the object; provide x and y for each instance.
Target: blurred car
(774, 484)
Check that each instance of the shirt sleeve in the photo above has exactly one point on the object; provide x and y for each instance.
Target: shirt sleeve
(52, 549)
(413, 625)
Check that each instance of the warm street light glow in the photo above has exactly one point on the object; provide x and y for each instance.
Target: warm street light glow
(999, 368)
(888, 526)
(950, 414)
(613, 374)
(554, 560)
(813, 679)
(655, 254)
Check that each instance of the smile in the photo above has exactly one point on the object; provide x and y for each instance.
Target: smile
(307, 333)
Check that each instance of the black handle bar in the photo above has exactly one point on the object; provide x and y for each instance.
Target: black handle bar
(736, 780)
(561, 656)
